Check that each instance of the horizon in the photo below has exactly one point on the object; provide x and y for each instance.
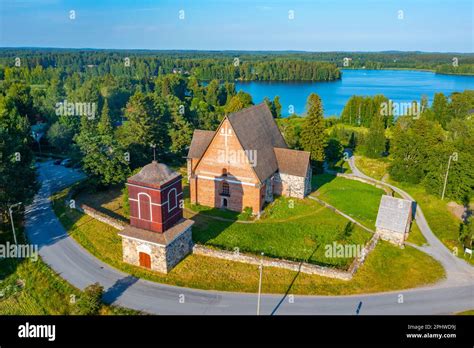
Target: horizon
(435, 26)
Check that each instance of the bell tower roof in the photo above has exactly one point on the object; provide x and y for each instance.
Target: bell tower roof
(155, 174)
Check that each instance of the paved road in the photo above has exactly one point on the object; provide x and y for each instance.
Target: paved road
(80, 268)
(458, 271)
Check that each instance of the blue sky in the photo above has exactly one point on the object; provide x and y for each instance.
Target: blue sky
(318, 25)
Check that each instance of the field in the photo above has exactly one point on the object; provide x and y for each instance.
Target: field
(293, 229)
(386, 268)
(356, 199)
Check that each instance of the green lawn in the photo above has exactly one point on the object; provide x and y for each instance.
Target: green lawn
(443, 224)
(356, 199)
(293, 229)
(386, 268)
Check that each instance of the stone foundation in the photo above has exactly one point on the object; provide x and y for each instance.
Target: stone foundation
(165, 251)
(391, 236)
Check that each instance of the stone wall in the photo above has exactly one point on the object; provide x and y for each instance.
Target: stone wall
(179, 248)
(163, 258)
(302, 267)
(290, 185)
(119, 225)
(391, 236)
(269, 190)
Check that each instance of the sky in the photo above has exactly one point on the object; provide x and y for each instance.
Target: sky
(307, 25)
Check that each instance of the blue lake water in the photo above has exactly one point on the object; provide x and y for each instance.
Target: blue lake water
(400, 86)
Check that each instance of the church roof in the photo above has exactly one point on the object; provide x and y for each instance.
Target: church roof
(393, 213)
(292, 162)
(154, 174)
(199, 143)
(257, 131)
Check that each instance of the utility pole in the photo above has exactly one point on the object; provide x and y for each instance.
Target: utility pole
(453, 157)
(11, 219)
(260, 285)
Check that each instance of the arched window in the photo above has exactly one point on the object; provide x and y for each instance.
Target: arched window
(144, 207)
(225, 189)
(172, 199)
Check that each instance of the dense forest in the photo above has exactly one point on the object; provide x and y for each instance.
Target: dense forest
(106, 115)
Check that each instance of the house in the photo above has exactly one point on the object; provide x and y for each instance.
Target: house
(245, 162)
(158, 236)
(394, 219)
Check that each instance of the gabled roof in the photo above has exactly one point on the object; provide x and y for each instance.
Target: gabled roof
(292, 162)
(154, 174)
(257, 131)
(393, 213)
(199, 143)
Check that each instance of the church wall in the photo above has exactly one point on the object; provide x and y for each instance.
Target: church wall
(290, 185)
(241, 196)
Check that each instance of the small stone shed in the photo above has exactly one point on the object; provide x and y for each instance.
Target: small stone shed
(394, 219)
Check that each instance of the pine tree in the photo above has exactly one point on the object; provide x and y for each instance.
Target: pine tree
(312, 132)
(375, 142)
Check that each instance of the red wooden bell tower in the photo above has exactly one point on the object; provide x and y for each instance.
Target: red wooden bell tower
(155, 195)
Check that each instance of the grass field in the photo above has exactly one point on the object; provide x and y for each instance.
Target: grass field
(442, 222)
(30, 287)
(375, 168)
(356, 199)
(293, 229)
(415, 236)
(386, 268)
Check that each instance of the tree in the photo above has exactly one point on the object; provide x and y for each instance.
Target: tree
(333, 150)
(104, 159)
(60, 136)
(17, 172)
(440, 109)
(180, 130)
(312, 132)
(375, 141)
(238, 102)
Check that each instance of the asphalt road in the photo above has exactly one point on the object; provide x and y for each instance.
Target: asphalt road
(78, 267)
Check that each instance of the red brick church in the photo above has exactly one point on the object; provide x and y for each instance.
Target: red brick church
(245, 162)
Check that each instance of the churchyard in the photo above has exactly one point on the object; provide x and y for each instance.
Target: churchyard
(293, 230)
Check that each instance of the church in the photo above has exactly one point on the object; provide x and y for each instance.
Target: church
(245, 163)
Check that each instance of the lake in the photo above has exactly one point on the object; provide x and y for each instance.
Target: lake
(397, 85)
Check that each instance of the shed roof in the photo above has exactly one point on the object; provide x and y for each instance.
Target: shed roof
(393, 214)
(292, 162)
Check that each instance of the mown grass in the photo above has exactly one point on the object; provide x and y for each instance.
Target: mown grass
(356, 199)
(415, 236)
(292, 229)
(386, 268)
(441, 221)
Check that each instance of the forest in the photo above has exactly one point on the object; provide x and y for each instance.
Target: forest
(106, 113)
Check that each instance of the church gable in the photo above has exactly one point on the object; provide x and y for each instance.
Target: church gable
(226, 155)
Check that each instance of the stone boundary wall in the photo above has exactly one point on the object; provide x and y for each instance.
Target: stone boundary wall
(119, 225)
(366, 251)
(302, 267)
(295, 266)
